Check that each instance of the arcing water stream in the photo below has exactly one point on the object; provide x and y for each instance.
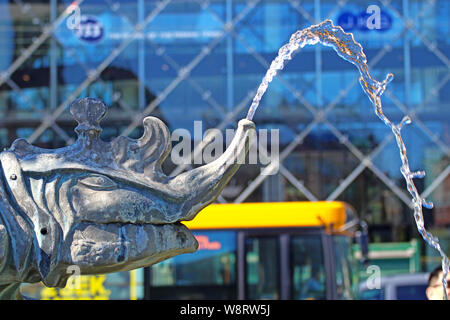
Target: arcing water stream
(350, 50)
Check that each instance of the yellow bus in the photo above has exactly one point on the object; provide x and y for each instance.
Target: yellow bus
(282, 250)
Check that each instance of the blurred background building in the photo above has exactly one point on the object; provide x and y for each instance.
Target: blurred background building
(189, 60)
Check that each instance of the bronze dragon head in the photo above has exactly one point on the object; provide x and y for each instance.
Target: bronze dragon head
(102, 206)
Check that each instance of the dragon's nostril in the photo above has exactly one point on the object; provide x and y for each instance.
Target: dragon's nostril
(44, 231)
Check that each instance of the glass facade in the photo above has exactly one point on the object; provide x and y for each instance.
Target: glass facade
(201, 60)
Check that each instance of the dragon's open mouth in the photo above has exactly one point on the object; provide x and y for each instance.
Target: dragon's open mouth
(123, 246)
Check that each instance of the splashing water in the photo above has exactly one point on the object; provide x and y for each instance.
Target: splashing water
(350, 50)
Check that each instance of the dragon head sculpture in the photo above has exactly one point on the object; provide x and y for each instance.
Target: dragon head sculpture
(102, 206)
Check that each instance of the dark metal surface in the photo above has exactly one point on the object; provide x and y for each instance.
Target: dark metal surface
(102, 206)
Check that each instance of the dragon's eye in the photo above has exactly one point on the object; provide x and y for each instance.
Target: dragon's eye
(98, 182)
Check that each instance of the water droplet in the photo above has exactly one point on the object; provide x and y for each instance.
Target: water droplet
(427, 204)
(405, 120)
(418, 174)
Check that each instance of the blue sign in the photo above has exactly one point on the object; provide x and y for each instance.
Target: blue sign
(358, 22)
(90, 29)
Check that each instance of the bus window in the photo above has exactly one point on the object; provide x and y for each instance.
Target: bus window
(307, 266)
(209, 273)
(342, 253)
(372, 294)
(261, 256)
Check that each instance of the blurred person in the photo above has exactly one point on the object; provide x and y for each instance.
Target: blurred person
(314, 288)
(434, 289)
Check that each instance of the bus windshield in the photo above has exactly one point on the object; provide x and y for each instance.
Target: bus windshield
(308, 270)
(343, 259)
(209, 273)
